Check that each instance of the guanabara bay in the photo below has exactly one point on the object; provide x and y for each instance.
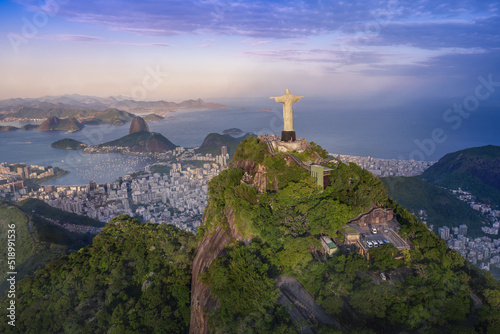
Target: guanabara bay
(292, 241)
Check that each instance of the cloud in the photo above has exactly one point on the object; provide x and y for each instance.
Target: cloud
(333, 57)
(99, 40)
(255, 42)
(77, 38)
(426, 24)
(474, 33)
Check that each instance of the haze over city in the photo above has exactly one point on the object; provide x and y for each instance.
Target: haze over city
(370, 51)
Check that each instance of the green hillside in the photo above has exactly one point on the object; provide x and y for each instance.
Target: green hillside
(442, 208)
(143, 142)
(430, 289)
(475, 169)
(37, 242)
(214, 141)
(110, 116)
(134, 278)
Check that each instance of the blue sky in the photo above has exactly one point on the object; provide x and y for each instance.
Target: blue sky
(174, 50)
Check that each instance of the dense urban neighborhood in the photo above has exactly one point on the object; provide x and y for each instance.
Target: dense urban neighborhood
(482, 251)
(175, 195)
(387, 167)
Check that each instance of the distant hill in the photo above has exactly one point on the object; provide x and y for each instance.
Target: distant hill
(110, 116)
(142, 142)
(69, 144)
(29, 127)
(475, 169)
(214, 141)
(38, 241)
(41, 112)
(14, 128)
(85, 106)
(232, 131)
(65, 124)
(152, 118)
(8, 128)
(442, 208)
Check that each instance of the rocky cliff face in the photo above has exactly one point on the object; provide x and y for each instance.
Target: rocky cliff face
(258, 172)
(209, 248)
(138, 125)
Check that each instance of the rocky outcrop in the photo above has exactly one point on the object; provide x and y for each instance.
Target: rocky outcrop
(209, 248)
(141, 142)
(138, 125)
(301, 305)
(248, 166)
(258, 172)
(55, 123)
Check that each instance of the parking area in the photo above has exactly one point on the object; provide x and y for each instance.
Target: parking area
(376, 238)
(380, 237)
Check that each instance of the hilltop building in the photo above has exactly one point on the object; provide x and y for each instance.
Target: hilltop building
(321, 174)
(373, 228)
(328, 246)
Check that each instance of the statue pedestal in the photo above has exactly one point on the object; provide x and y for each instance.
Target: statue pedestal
(288, 136)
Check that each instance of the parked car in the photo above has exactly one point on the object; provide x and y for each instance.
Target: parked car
(374, 230)
(370, 244)
(383, 277)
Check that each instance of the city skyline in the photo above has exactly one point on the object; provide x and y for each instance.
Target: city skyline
(175, 50)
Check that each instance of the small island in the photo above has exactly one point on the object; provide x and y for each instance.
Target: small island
(69, 144)
(233, 131)
(152, 118)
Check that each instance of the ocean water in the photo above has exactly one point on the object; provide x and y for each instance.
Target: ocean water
(417, 130)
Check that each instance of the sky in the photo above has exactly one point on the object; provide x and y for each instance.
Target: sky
(385, 51)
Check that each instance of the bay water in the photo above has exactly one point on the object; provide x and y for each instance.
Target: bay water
(415, 131)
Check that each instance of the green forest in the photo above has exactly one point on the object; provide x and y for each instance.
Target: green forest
(134, 278)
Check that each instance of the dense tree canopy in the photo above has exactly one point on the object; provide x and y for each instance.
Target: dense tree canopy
(134, 278)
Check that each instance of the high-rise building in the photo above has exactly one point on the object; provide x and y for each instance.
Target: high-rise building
(223, 150)
(444, 232)
(462, 229)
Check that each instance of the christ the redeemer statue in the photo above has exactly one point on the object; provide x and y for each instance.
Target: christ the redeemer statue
(288, 100)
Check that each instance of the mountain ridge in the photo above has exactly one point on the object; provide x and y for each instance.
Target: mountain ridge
(474, 169)
(72, 105)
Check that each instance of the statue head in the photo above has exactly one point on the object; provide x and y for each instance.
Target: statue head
(287, 91)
